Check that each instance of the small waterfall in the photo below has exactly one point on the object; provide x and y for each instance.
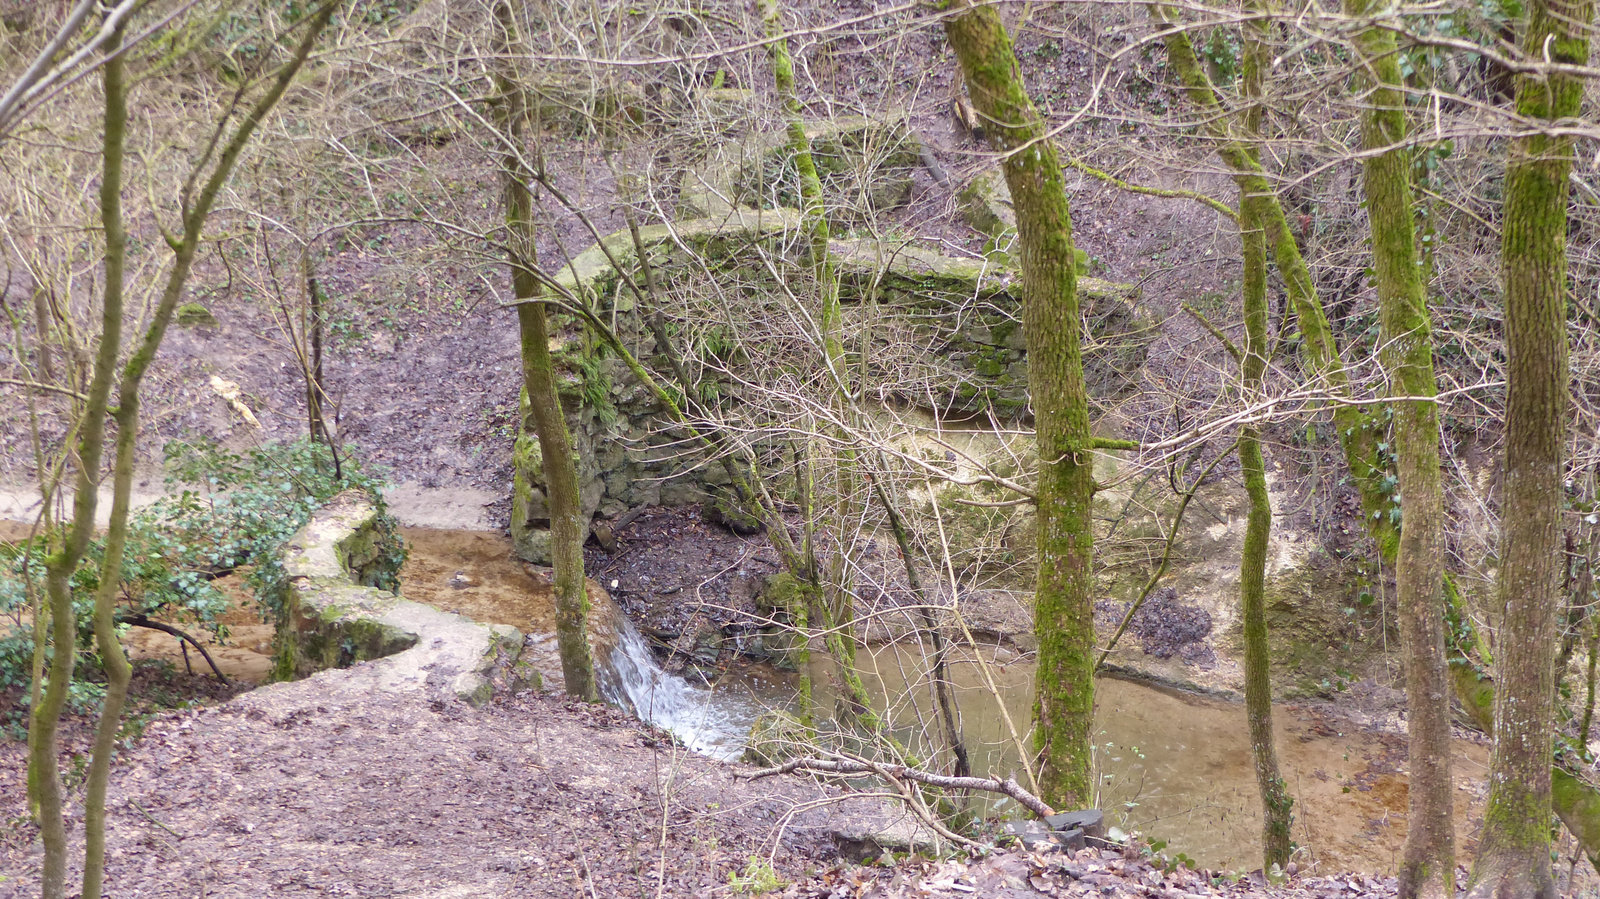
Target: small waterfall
(710, 722)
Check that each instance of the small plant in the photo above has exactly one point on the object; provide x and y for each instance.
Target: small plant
(1156, 853)
(757, 877)
(238, 510)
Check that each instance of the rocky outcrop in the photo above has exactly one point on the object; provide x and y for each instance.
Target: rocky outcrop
(334, 620)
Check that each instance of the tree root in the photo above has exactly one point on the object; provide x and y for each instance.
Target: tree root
(143, 621)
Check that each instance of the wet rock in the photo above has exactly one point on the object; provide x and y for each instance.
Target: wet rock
(1092, 822)
(1041, 836)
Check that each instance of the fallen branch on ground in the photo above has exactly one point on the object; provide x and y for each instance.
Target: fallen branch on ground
(1007, 787)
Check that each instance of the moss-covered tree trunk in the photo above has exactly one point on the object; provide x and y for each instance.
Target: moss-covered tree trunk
(1277, 814)
(1427, 867)
(1319, 351)
(113, 660)
(1514, 853)
(567, 528)
(43, 771)
(1063, 602)
(196, 200)
(1277, 808)
(838, 605)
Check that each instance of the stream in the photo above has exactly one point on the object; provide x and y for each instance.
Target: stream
(1169, 765)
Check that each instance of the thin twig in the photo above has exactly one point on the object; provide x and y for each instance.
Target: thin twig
(35, 385)
(146, 813)
(145, 621)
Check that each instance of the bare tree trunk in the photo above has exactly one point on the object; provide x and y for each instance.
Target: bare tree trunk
(1063, 601)
(567, 528)
(1427, 868)
(1514, 854)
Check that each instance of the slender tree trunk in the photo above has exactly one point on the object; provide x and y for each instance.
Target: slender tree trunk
(60, 566)
(1514, 854)
(315, 425)
(1063, 601)
(567, 528)
(1427, 868)
(838, 607)
(195, 208)
(1277, 814)
(1318, 349)
(113, 659)
(1277, 808)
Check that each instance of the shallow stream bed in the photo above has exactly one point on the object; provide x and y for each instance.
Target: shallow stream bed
(1175, 767)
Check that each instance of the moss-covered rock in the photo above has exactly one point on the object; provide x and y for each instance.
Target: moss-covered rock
(985, 204)
(777, 737)
(332, 621)
(194, 315)
(726, 511)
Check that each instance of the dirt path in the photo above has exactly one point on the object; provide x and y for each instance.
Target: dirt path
(322, 787)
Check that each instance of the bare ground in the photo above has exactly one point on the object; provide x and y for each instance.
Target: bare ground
(312, 789)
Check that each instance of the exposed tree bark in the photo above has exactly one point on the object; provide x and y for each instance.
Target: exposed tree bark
(1063, 601)
(567, 528)
(1575, 800)
(1427, 867)
(1514, 853)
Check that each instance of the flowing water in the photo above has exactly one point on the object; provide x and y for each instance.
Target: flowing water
(1172, 766)
(713, 720)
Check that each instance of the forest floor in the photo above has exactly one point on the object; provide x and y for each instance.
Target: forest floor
(293, 790)
(324, 787)
(318, 788)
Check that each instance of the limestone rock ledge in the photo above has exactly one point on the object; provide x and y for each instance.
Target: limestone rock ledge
(334, 621)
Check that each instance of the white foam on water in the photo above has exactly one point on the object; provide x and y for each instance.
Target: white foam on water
(711, 722)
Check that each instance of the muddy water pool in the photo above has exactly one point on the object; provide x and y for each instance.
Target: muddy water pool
(1174, 767)
(1177, 767)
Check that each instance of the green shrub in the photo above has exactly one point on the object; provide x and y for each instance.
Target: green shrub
(235, 510)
